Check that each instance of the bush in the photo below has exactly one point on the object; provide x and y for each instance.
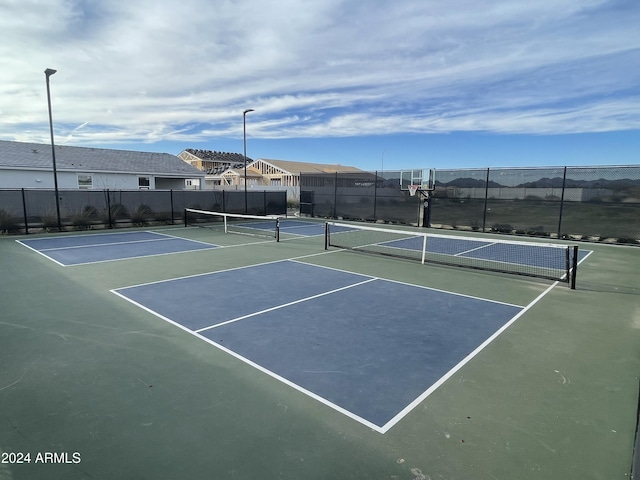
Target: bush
(84, 219)
(501, 228)
(8, 223)
(117, 211)
(628, 240)
(162, 217)
(141, 215)
(49, 220)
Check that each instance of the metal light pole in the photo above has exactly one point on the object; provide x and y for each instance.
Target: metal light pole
(244, 129)
(48, 72)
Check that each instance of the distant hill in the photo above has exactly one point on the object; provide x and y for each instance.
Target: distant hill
(556, 182)
(467, 183)
(545, 182)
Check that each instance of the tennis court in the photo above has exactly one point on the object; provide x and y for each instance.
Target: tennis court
(194, 353)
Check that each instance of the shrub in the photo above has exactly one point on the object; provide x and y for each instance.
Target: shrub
(141, 215)
(83, 219)
(8, 223)
(162, 217)
(502, 228)
(49, 220)
(628, 240)
(117, 211)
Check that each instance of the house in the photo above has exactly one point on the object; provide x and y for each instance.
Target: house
(30, 165)
(224, 169)
(212, 162)
(287, 173)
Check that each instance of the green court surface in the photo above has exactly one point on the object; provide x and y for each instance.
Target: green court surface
(94, 387)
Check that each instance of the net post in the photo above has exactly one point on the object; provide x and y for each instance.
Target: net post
(326, 235)
(277, 229)
(186, 221)
(574, 267)
(424, 248)
(226, 229)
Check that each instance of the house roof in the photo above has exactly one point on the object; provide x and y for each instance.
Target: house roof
(215, 156)
(239, 172)
(19, 155)
(306, 167)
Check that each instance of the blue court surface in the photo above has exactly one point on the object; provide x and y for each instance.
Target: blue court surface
(368, 347)
(83, 249)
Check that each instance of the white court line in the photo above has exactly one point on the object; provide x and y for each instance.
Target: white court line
(212, 247)
(277, 307)
(410, 284)
(40, 253)
(385, 428)
(200, 274)
(480, 248)
(73, 247)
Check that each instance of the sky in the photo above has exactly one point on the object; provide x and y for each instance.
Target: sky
(375, 84)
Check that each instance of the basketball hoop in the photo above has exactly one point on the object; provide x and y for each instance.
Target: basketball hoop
(413, 189)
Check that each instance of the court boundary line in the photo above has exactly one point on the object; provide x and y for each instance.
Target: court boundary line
(88, 233)
(404, 412)
(40, 253)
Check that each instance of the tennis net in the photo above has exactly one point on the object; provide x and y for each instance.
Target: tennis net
(542, 260)
(255, 225)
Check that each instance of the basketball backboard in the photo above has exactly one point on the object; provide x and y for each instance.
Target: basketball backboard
(424, 178)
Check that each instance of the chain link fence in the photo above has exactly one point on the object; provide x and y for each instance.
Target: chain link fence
(26, 210)
(363, 196)
(581, 203)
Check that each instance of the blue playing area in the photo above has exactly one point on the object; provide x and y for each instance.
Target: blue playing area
(368, 347)
(102, 247)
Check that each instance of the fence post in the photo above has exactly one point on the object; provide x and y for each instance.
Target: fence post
(564, 182)
(171, 204)
(335, 197)
(486, 195)
(24, 212)
(375, 195)
(109, 219)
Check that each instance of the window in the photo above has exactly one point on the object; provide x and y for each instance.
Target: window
(144, 183)
(85, 181)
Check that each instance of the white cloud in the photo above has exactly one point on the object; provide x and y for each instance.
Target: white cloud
(146, 70)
